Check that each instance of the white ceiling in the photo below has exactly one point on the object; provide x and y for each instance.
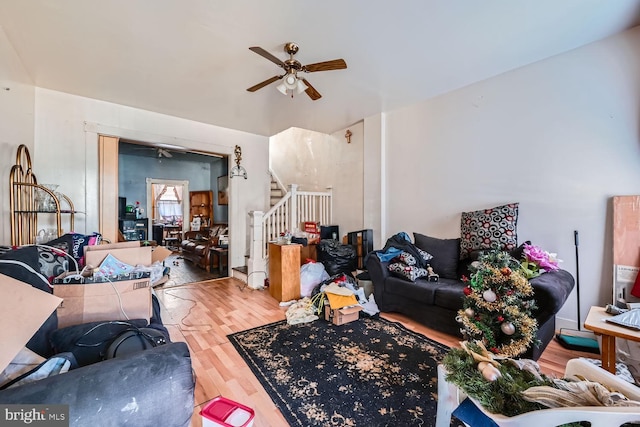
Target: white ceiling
(190, 58)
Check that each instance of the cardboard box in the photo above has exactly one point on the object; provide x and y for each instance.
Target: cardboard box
(340, 316)
(159, 254)
(94, 302)
(23, 309)
(311, 227)
(128, 252)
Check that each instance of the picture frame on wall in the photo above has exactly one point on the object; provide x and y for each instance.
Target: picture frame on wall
(223, 190)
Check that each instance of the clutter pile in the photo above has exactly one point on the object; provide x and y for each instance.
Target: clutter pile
(338, 298)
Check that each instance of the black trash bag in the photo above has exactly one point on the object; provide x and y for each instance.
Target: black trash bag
(336, 257)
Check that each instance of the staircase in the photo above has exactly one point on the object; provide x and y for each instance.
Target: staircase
(277, 191)
(286, 214)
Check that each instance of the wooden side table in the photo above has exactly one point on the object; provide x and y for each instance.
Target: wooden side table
(596, 322)
(222, 253)
(284, 271)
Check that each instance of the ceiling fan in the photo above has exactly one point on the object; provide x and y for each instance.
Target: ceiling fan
(158, 152)
(164, 153)
(291, 68)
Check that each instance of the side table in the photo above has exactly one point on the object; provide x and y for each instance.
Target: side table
(284, 271)
(596, 322)
(222, 253)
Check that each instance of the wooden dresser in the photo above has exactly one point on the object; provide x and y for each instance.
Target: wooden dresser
(284, 271)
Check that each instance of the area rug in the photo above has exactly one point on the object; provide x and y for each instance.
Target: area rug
(371, 372)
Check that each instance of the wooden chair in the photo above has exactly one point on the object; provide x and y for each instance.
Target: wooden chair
(450, 396)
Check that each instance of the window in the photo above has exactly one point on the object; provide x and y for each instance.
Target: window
(168, 203)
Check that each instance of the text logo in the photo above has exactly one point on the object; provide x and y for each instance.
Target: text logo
(34, 415)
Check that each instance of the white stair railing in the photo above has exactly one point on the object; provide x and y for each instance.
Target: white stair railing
(293, 209)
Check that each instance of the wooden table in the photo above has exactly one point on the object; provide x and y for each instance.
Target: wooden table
(596, 322)
(284, 271)
(222, 253)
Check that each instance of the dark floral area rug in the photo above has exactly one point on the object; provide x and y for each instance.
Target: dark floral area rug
(371, 372)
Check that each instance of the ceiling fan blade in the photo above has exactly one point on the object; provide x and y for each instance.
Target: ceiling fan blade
(264, 83)
(336, 64)
(311, 91)
(260, 51)
(165, 153)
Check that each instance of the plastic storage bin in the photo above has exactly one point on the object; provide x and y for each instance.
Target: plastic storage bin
(223, 412)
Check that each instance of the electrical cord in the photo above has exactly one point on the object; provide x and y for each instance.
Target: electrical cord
(28, 267)
(99, 325)
(182, 322)
(119, 297)
(246, 284)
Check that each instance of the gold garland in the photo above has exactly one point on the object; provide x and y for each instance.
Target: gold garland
(501, 279)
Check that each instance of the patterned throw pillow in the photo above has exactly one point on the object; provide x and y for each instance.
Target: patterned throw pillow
(488, 229)
(406, 258)
(408, 272)
(52, 263)
(426, 256)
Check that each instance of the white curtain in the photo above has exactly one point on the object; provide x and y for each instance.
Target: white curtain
(168, 200)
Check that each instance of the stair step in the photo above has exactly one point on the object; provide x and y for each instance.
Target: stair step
(240, 273)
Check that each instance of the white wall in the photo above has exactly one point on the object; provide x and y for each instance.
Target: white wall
(316, 161)
(66, 135)
(559, 136)
(16, 121)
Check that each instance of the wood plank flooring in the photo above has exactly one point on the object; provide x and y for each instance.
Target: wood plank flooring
(203, 314)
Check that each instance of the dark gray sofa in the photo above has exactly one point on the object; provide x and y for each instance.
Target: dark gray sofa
(435, 304)
(153, 387)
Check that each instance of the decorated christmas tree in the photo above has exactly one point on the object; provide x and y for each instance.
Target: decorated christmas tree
(498, 305)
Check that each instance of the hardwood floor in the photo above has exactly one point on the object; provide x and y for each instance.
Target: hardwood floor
(203, 314)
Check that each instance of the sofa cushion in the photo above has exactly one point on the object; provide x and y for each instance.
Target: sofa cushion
(446, 253)
(493, 228)
(188, 246)
(409, 259)
(409, 272)
(450, 296)
(420, 291)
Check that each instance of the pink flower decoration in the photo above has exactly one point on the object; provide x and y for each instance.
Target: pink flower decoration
(544, 260)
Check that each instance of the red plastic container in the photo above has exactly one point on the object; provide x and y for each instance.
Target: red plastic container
(223, 412)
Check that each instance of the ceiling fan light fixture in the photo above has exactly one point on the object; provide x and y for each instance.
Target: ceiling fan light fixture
(301, 87)
(291, 81)
(282, 88)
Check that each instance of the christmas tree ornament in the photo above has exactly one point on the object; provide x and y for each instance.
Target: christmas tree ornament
(501, 298)
(488, 371)
(489, 295)
(470, 312)
(508, 328)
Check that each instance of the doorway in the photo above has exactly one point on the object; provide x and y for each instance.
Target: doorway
(167, 204)
(125, 165)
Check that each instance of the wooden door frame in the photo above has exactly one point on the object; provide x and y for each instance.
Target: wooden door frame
(185, 199)
(108, 187)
